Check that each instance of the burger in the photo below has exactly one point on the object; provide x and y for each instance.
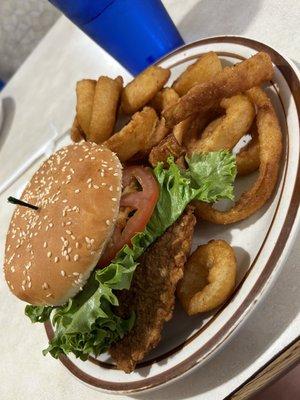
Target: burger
(97, 248)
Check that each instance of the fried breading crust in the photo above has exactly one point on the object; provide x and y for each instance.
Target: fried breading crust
(152, 292)
(230, 81)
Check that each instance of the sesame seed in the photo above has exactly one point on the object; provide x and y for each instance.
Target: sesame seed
(29, 284)
(56, 259)
(95, 186)
(51, 225)
(73, 237)
(76, 257)
(89, 180)
(45, 286)
(110, 188)
(67, 257)
(114, 199)
(63, 273)
(68, 232)
(107, 222)
(12, 269)
(45, 245)
(49, 254)
(77, 245)
(76, 273)
(65, 200)
(77, 190)
(68, 223)
(23, 287)
(49, 294)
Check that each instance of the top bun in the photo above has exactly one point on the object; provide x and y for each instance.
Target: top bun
(51, 252)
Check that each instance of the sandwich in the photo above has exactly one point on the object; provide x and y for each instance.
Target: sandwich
(97, 247)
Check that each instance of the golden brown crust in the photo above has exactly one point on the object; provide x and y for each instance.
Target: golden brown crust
(135, 136)
(76, 132)
(247, 160)
(85, 90)
(51, 252)
(152, 292)
(163, 99)
(226, 131)
(209, 277)
(202, 70)
(105, 105)
(270, 149)
(143, 88)
(167, 147)
(230, 81)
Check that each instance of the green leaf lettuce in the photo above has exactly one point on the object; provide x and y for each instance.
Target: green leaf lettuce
(87, 323)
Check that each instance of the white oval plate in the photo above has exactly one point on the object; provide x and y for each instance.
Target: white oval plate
(261, 242)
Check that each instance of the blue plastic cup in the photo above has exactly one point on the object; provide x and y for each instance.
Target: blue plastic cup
(134, 32)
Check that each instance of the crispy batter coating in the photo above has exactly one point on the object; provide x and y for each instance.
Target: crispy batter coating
(76, 132)
(230, 81)
(135, 136)
(152, 292)
(164, 99)
(209, 277)
(143, 88)
(169, 146)
(226, 131)
(105, 105)
(202, 70)
(247, 160)
(85, 91)
(270, 150)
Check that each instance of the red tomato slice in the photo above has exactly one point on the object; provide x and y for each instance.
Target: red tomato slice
(142, 202)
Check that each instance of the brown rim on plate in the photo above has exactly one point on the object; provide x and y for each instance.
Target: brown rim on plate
(215, 341)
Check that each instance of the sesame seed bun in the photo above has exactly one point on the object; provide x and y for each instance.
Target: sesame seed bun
(51, 252)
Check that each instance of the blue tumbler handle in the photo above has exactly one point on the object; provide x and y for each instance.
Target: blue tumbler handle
(134, 32)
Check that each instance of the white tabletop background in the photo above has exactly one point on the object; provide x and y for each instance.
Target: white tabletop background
(42, 92)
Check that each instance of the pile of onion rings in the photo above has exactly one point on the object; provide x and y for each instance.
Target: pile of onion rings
(270, 149)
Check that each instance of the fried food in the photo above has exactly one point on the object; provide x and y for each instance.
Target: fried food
(135, 136)
(226, 131)
(152, 292)
(209, 277)
(159, 133)
(143, 88)
(164, 99)
(169, 146)
(105, 105)
(76, 132)
(204, 69)
(85, 91)
(247, 160)
(191, 133)
(228, 82)
(270, 149)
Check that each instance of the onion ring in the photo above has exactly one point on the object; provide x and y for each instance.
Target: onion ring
(226, 131)
(270, 149)
(209, 277)
(228, 82)
(247, 160)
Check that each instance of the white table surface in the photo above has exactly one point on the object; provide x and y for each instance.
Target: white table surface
(42, 92)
